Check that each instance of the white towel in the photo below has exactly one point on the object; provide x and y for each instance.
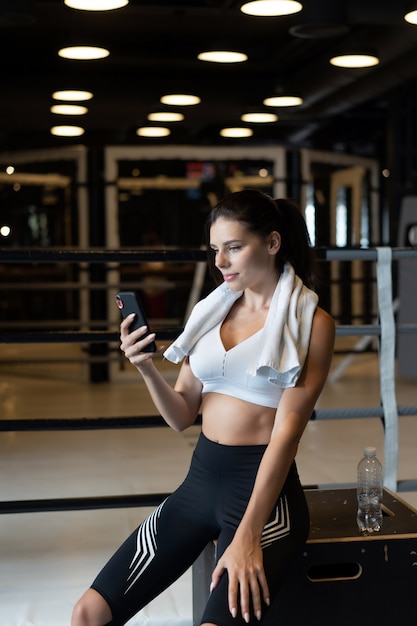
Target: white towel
(285, 336)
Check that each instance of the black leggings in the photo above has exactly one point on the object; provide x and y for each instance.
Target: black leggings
(207, 506)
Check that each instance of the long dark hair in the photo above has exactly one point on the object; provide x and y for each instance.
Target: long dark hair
(261, 214)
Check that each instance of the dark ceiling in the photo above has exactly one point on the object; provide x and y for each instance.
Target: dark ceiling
(154, 45)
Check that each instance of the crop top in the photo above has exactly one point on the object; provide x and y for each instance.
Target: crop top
(225, 371)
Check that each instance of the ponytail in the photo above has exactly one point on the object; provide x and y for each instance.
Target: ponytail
(296, 247)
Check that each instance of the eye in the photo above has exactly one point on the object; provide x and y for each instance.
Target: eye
(235, 248)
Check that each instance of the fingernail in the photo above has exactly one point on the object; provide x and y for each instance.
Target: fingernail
(246, 618)
(234, 612)
(258, 615)
(267, 601)
(211, 587)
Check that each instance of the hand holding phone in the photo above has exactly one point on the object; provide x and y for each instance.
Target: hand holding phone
(129, 303)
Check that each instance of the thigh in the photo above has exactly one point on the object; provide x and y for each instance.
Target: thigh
(156, 554)
(283, 538)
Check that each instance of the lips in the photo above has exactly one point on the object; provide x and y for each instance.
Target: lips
(228, 277)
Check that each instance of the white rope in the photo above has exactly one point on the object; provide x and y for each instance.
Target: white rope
(387, 366)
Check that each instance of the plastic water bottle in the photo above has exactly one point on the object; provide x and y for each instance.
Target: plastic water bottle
(369, 493)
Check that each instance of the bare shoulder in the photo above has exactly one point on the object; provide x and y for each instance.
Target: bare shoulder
(323, 330)
(323, 320)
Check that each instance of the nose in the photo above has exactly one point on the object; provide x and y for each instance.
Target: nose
(221, 259)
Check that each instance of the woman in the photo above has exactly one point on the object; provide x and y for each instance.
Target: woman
(256, 352)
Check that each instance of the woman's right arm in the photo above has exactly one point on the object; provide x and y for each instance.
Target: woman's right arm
(178, 406)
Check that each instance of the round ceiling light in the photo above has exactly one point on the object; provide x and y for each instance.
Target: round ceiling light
(153, 131)
(180, 99)
(270, 8)
(236, 133)
(67, 131)
(354, 60)
(283, 101)
(5, 230)
(72, 95)
(259, 118)
(96, 5)
(165, 116)
(68, 109)
(222, 56)
(411, 17)
(83, 53)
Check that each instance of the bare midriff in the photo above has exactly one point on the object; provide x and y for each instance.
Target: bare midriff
(233, 422)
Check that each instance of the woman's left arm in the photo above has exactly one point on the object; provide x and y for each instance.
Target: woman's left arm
(243, 558)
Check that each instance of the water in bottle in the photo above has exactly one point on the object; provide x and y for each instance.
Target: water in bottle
(369, 493)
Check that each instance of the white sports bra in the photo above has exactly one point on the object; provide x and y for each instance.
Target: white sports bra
(225, 371)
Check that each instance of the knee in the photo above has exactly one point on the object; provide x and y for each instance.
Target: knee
(91, 610)
(82, 614)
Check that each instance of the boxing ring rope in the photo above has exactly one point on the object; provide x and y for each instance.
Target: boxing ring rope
(386, 330)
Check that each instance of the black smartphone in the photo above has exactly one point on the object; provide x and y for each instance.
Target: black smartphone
(128, 303)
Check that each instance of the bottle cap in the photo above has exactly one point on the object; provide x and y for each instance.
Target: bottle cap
(369, 451)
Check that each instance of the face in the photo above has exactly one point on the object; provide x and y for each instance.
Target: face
(244, 259)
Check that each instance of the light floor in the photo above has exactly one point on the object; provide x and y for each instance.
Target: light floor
(47, 559)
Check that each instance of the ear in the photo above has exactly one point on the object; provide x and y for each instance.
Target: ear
(274, 242)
